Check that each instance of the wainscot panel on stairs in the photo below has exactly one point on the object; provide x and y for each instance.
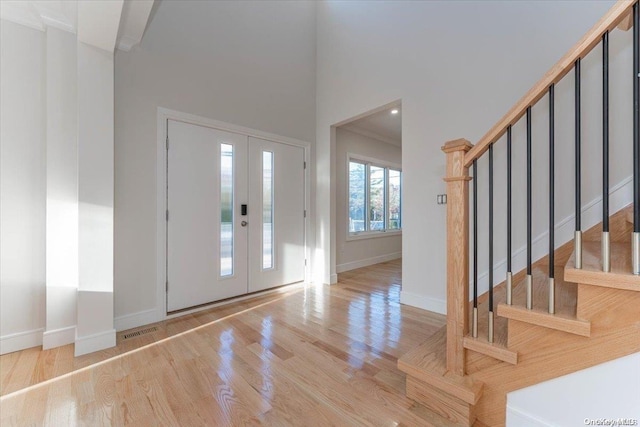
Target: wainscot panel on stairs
(575, 307)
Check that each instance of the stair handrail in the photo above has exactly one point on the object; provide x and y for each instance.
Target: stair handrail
(461, 154)
(619, 14)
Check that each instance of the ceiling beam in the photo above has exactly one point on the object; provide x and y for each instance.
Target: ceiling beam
(98, 22)
(135, 15)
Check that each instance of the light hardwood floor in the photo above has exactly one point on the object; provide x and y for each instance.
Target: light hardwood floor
(311, 356)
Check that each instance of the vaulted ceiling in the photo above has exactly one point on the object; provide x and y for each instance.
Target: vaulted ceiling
(103, 23)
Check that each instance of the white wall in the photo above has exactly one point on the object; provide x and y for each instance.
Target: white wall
(608, 391)
(246, 63)
(458, 67)
(57, 150)
(22, 186)
(359, 253)
(62, 188)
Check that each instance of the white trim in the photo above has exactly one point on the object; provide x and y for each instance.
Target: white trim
(396, 103)
(436, 305)
(368, 162)
(21, 340)
(358, 158)
(341, 268)
(165, 114)
(40, 15)
(126, 43)
(279, 290)
(133, 320)
(168, 114)
(620, 196)
(362, 235)
(21, 14)
(333, 279)
(58, 337)
(369, 134)
(95, 342)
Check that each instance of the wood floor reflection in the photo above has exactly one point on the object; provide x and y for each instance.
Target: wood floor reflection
(308, 356)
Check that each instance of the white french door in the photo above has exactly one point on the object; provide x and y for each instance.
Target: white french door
(206, 242)
(276, 236)
(235, 220)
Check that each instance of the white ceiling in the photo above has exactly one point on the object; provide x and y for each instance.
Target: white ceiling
(381, 125)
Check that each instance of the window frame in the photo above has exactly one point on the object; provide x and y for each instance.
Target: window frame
(368, 162)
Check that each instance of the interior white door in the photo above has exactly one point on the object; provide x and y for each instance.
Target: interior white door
(276, 214)
(206, 239)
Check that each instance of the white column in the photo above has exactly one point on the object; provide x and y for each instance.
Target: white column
(62, 189)
(98, 23)
(95, 328)
(95, 194)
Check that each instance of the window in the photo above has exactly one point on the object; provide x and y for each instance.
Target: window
(226, 210)
(267, 210)
(375, 203)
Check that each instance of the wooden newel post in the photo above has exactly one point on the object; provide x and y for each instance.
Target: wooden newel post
(457, 180)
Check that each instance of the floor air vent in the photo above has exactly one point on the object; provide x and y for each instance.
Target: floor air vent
(138, 333)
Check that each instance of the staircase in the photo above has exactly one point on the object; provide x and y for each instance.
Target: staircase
(582, 306)
(597, 319)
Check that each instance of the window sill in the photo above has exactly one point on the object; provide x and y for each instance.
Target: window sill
(373, 235)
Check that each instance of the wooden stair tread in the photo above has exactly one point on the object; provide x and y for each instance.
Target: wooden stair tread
(620, 276)
(564, 319)
(620, 229)
(498, 349)
(427, 363)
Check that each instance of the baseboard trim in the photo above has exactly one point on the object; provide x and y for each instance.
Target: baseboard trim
(341, 268)
(424, 302)
(333, 279)
(133, 320)
(58, 337)
(519, 418)
(95, 342)
(21, 340)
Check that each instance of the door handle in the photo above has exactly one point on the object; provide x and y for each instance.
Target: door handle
(244, 223)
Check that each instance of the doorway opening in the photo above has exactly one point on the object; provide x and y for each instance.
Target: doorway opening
(368, 204)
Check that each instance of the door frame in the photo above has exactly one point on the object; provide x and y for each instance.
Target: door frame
(163, 115)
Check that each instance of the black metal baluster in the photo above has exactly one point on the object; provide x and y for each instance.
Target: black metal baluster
(490, 337)
(474, 327)
(606, 252)
(509, 271)
(529, 219)
(636, 141)
(552, 248)
(577, 240)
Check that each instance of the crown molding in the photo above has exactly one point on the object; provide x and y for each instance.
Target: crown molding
(372, 135)
(21, 13)
(60, 14)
